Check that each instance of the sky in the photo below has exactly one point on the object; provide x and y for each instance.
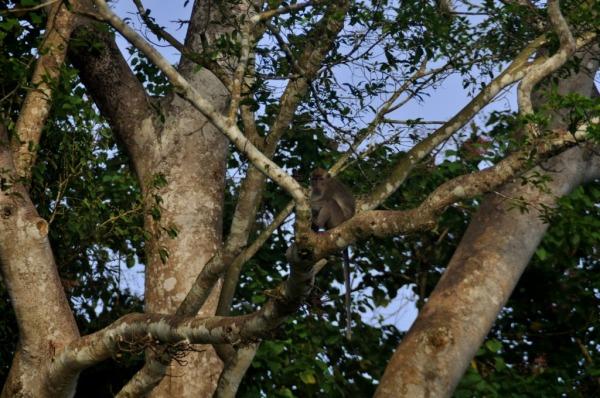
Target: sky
(443, 104)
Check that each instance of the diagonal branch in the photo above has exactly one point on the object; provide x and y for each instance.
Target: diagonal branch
(423, 217)
(36, 106)
(240, 70)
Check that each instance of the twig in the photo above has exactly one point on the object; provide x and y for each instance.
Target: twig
(238, 78)
(278, 11)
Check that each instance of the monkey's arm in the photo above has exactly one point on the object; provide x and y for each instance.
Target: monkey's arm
(323, 216)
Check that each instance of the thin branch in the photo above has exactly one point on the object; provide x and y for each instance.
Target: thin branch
(568, 45)
(263, 16)
(412, 122)
(240, 71)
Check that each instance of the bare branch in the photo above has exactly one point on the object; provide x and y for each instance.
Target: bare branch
(568, 45)
(282, 10)
(36, 106)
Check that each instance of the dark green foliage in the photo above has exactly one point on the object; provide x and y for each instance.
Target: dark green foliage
(8, 333)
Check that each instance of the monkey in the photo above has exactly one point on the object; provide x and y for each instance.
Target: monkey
(332, 203)
(445, 6)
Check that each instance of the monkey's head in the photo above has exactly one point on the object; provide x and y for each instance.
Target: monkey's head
(318, 179)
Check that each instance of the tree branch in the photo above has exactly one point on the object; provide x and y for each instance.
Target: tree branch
(238, 76)
(36, 106)
(142, 331)
(568, 45)
(423, 217)
(514, 72)
(263, 16)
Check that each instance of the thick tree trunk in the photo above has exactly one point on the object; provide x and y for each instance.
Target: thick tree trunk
(30, 273)
(192, 160)
(28, 269)
(482, 274)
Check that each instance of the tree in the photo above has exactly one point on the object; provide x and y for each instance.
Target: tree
(187, 169)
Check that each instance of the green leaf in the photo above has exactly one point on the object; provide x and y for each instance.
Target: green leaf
(308, 377)
(493, 345)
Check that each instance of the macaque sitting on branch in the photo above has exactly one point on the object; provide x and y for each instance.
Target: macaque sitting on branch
(332, 203)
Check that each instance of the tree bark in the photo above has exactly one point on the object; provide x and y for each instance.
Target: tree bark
(30, 273)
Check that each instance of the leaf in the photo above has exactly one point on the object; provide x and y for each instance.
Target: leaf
(308, 377)
(493, 345)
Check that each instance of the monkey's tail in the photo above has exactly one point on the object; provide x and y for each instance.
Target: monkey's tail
(348, 298)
